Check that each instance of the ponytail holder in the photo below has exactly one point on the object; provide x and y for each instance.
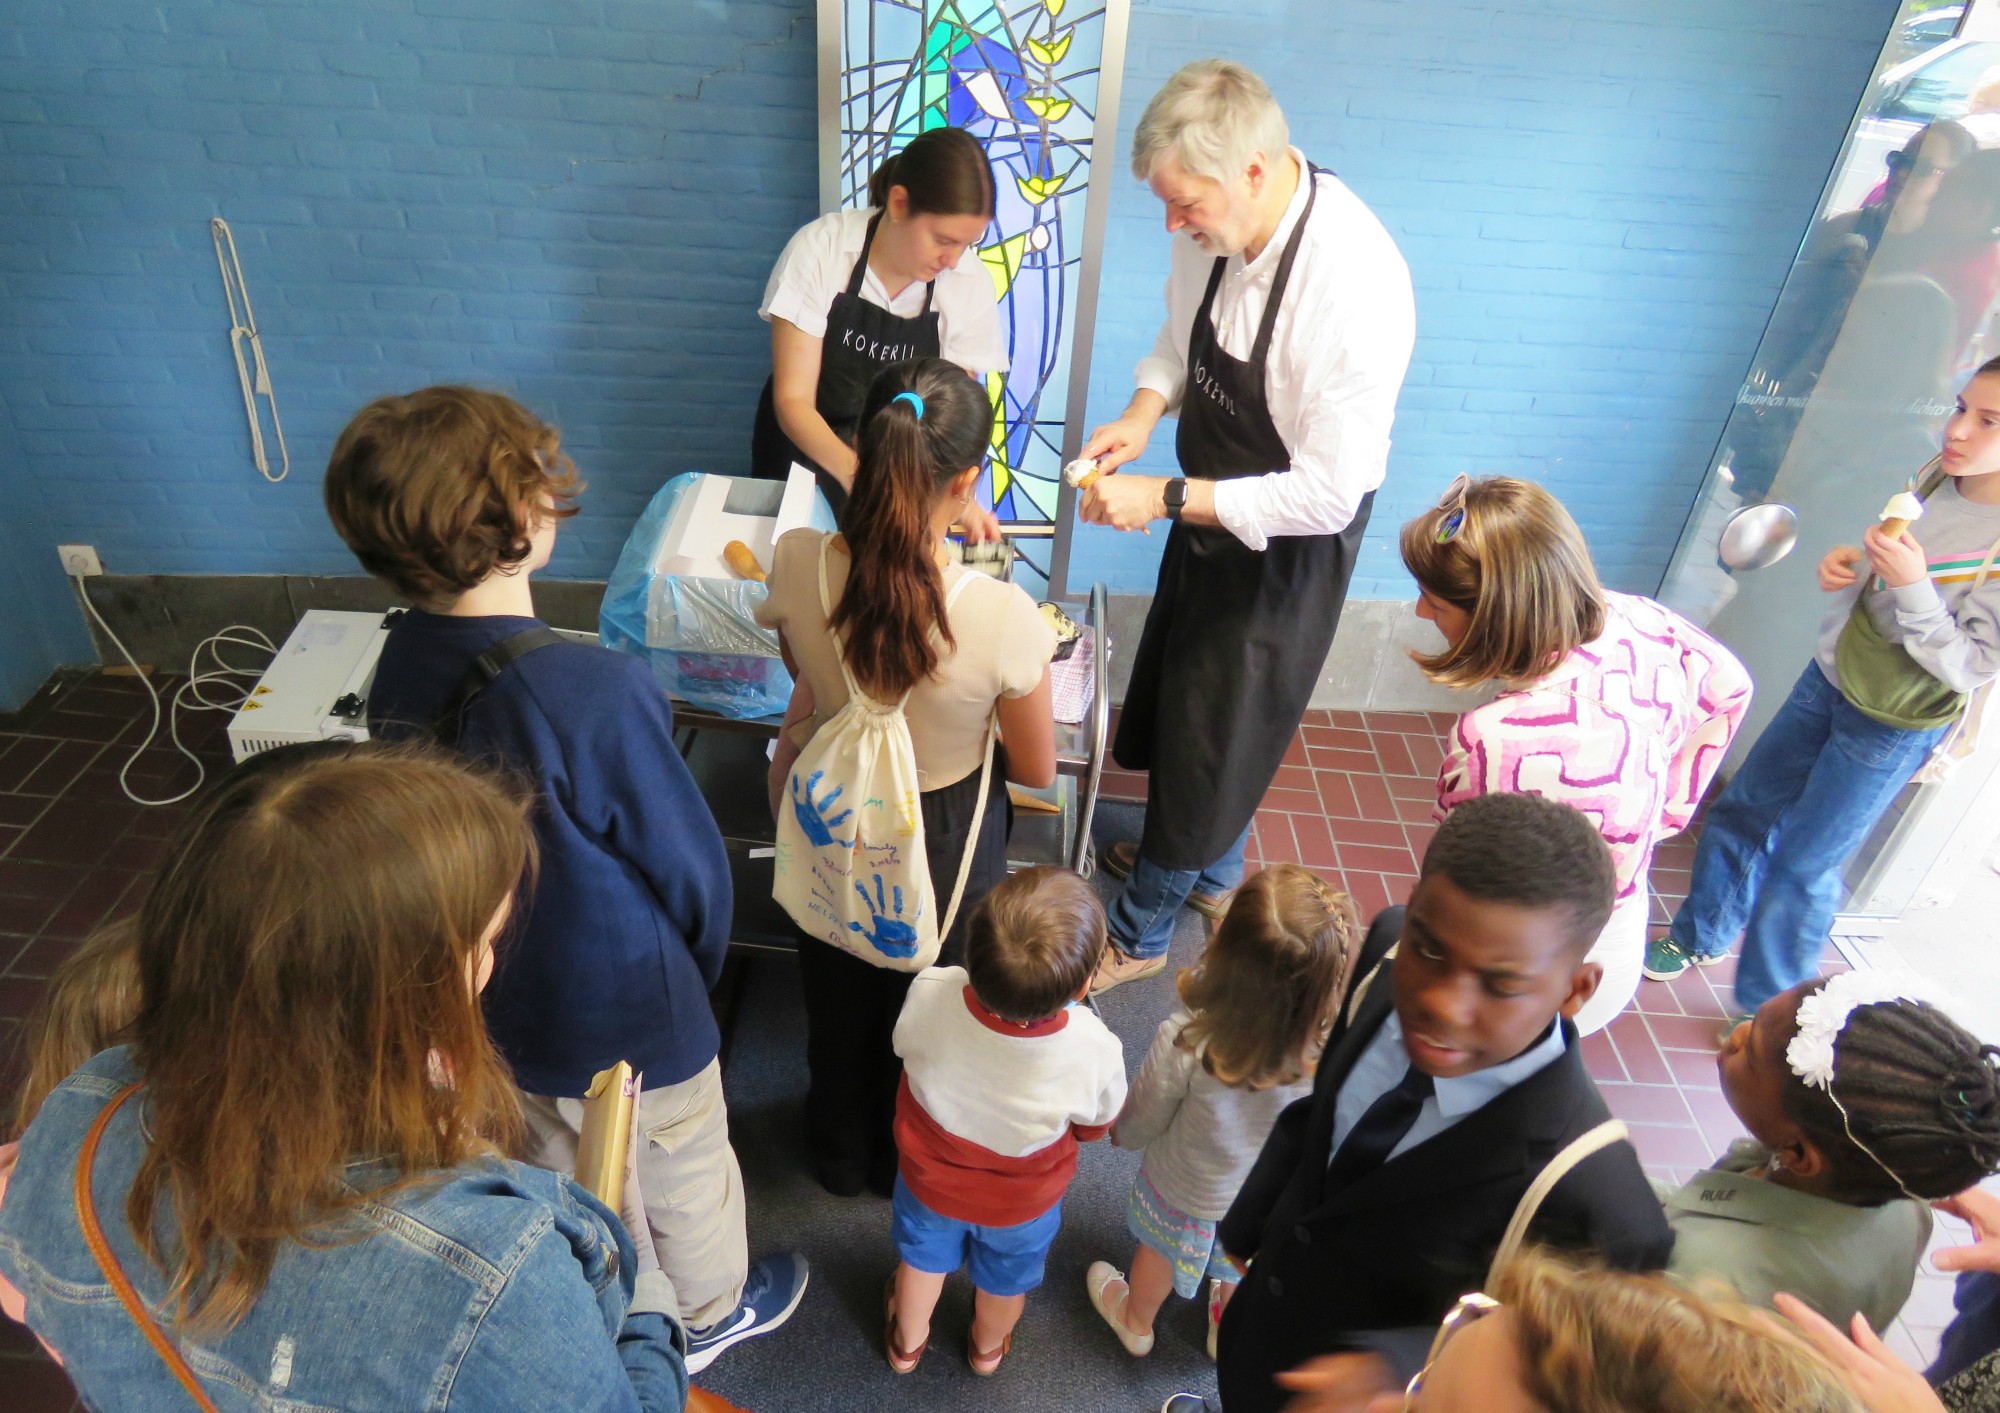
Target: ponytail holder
(914, 401)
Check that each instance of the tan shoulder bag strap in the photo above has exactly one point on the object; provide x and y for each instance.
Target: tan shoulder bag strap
(107, 1260)
(1603, 1136)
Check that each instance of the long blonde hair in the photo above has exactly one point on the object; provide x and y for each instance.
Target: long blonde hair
(306, 1000)
(1265, 991)
(1598, 1341)
(88, 1007)
(1518, 565)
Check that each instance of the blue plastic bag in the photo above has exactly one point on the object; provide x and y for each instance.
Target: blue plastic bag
(699, 636)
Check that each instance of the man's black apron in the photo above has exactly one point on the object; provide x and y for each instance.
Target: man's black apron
(862, 338)
(1236, 638)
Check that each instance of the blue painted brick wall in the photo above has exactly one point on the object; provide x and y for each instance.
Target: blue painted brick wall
(578, 201)
(1599, 200)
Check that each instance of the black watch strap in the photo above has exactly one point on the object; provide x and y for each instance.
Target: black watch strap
(1175, 497)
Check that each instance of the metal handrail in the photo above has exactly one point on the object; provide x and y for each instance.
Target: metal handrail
(1083, 857)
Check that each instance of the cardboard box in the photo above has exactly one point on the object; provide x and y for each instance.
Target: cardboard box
(717, 509)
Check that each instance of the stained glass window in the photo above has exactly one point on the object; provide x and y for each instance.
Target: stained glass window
(1023, 77)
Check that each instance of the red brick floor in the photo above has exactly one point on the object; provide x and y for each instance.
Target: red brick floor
(1352, 800)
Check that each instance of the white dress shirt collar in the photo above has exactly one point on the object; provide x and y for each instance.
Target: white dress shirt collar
(1265, 265)
(1466, 1093)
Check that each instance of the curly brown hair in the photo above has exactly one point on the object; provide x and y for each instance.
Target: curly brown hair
(1265, 991)
(434, 490)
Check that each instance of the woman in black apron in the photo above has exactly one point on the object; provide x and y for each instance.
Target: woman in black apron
(1236, 638)
(930, 204)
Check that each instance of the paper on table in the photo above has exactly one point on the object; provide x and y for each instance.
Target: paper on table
(1073, 681)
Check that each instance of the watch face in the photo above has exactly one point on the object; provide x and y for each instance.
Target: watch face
(1176, 494)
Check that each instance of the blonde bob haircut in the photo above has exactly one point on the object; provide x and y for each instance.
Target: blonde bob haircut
(1212, 116)
(1598, 1341)
(1518, 566)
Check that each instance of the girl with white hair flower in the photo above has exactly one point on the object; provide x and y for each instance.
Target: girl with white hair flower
(1864, 1103)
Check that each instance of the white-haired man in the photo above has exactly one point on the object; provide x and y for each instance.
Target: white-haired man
(1288, 330)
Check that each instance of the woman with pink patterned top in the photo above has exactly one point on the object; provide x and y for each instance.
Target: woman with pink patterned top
(1609, 702)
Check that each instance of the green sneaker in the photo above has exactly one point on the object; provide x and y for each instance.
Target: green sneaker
(1666, 959)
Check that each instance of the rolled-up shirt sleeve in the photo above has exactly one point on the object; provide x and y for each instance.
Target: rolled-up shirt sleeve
(801, 286)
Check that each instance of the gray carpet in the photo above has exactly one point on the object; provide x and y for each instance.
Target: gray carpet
(830, 1354)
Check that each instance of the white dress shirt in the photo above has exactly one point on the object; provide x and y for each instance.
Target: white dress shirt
(1381, 1067)
(819, 259)
(1339, 350)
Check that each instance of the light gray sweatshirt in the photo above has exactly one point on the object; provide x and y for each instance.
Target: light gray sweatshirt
(1948, 627)
(1201, 1136)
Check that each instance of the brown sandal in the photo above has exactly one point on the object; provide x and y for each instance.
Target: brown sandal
(903, 1362)
(984, 1364)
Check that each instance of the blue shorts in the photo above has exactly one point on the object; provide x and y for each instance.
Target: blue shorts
(1004, 1260)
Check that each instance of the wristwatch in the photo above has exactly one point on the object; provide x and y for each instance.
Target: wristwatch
(1175, 496)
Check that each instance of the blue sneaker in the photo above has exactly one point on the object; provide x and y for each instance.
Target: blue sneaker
(771, 1292)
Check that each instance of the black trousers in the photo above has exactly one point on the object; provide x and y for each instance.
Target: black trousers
(852, 1005)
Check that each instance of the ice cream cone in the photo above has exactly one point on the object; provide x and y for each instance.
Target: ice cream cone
(1082, 474)
(1902, 511)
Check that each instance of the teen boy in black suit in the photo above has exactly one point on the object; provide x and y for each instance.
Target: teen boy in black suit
(1450, 1081)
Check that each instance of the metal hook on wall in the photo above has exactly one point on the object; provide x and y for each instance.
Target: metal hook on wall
(253, 374)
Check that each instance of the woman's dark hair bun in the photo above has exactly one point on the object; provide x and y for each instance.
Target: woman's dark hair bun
(945, 172)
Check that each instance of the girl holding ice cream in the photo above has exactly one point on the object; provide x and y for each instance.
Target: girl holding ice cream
(1913, 630)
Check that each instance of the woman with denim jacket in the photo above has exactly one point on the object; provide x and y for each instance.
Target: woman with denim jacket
(297, 1159)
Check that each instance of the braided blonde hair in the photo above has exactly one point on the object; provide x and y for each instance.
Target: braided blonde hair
(1265, 992)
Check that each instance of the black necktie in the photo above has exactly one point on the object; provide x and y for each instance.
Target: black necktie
(1370, 1142)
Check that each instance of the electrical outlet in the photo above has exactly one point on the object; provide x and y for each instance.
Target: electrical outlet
(80, 561)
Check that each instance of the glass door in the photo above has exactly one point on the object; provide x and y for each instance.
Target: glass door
(1889, 306)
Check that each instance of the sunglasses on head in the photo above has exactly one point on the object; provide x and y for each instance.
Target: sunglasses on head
(1451, 507)
(1468, 1309)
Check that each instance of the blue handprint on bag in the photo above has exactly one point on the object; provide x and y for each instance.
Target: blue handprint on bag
(814, 816)
(892, 936)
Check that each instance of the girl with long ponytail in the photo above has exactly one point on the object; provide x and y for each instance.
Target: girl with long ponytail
(923, 435)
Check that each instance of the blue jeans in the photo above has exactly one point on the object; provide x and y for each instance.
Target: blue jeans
(1141, 921)
(1773, 846)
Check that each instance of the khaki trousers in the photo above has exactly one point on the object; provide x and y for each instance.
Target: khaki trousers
(689, 1185)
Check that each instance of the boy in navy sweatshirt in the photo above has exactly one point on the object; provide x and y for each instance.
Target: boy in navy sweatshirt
(452, 497)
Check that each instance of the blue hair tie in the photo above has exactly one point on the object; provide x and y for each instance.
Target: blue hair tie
(913, 400)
